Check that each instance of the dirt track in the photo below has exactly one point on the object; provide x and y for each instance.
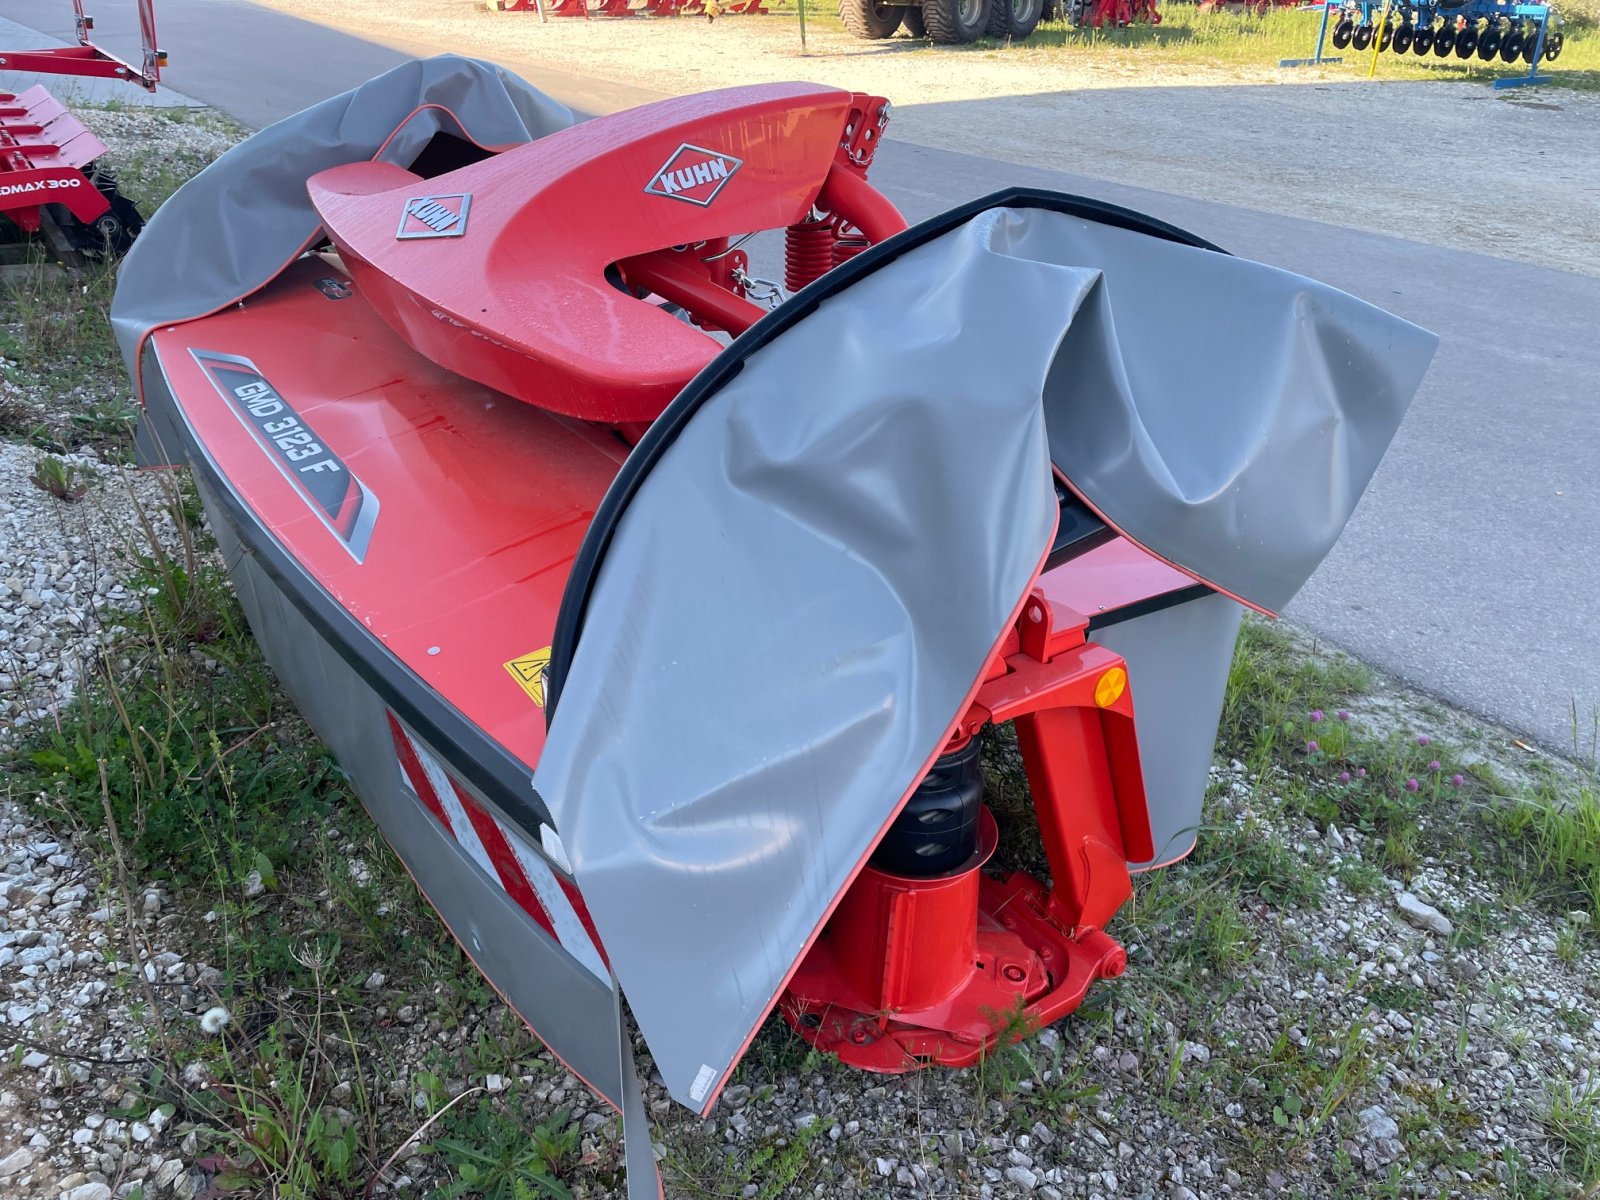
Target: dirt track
(1511, 174)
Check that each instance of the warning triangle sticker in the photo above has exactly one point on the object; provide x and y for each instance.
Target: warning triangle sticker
(528, 670)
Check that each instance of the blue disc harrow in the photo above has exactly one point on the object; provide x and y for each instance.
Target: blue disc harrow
(1485, 30)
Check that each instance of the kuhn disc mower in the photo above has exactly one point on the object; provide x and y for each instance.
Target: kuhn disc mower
(659, 612)
(51, 182)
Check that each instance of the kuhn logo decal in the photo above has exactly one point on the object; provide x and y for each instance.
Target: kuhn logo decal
(342, 502)
(694, 174)
(435, 216)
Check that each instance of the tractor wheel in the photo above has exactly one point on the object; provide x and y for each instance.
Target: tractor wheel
(1342, 33)
(870, 20)
(1511, 47)
(1048, 10)
(1403, 38)
(956, 22)
(1423, 42)
(912, 21)
(1362, 37)
(1489, 43)
(1444, 41)
(1467, 41)
(1552, 45)
(1014, 19)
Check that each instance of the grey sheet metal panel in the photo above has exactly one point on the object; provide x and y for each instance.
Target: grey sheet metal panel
(796, 599)
(566, 1005)
(789, 617)
(570, 1010)
(1178, 660)
(1225, 415)
(236, 225)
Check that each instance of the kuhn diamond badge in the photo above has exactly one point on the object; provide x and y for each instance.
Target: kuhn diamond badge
(435, 216)
(695, 174)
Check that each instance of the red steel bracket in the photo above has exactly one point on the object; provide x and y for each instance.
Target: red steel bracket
(912, 971)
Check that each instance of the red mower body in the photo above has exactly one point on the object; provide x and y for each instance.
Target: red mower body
(660, 631)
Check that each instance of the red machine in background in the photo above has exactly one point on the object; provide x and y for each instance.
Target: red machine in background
(710, 9)
(94, 61)
(50, 185)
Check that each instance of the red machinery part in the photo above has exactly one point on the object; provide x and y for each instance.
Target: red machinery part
(849, 215)
(913, 971)
(43, 152)
(88, 59)
(1118, 13)
(807, 251)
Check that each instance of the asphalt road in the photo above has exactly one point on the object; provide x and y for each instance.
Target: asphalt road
(1472, 568)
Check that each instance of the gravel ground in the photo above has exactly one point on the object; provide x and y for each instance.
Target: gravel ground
(77, 977)
(1303, 1016)
(1514, 175)
(63, 575)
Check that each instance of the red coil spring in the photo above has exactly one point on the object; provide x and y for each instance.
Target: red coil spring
(848, 242)
(807, 252)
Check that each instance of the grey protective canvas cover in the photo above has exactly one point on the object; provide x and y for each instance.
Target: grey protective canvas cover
(234, 227)
(798, 599)
(1224, 415)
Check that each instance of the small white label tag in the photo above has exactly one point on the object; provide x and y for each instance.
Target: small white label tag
(703, 1079)
(551, 841)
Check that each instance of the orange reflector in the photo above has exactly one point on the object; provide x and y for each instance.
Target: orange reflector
(1109, 687)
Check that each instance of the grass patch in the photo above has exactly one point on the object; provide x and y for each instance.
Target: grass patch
(1554, 837)
(1572, 1119)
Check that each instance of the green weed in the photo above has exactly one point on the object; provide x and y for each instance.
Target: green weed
(64, 480)
(493, 1148)
(1555, 838)
(1572, 1118)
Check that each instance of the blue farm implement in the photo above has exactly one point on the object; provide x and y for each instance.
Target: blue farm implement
(1484, 29)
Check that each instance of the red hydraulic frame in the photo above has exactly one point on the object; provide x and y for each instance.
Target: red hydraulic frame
(44, 150)
(86, 58)
(915, 971)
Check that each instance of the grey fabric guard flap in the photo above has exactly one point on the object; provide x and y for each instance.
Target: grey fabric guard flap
(1225, 415)
(231, 229)
(792, 610)
(796, 601)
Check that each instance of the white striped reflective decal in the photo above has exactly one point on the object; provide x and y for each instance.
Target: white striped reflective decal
(460, 823)
(569, 929)
(552, 897)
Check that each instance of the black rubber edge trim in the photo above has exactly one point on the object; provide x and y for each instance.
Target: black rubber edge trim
(722, 369)
(1154, 604)
(466, 748)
